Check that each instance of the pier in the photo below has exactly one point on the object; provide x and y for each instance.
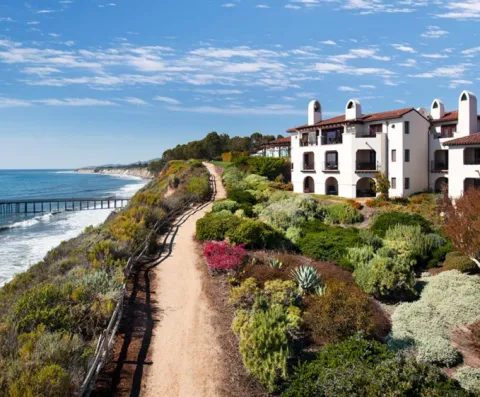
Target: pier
(39, 206)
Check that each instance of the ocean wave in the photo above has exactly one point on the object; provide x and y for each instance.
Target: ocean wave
(28, 222)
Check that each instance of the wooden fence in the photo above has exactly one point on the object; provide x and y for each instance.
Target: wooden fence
(107, 338)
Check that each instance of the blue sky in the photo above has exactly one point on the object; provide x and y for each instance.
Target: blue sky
(85, 82)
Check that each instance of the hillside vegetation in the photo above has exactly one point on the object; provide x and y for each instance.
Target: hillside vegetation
(51, 315)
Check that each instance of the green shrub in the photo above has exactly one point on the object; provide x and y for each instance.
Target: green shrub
(340, 313)
(243, 296)
(43, 304)
(233, 177)
(328, 243)
(449, 299)
(291, 212)
(469, 379)
(437, 257)
(49, 381)
(456, 261)
(199, 188)
(358, 256)
(387, 220)
(213, 228)
(255, 234)
(256, 182)
(221, 205)
(385, 277)
(265, 344)
(361, 368)
(342, 213)
(371, 239)
(245, 199)
(308, 378)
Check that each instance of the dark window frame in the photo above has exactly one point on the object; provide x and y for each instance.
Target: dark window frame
(407, 155)
(406, 127)
(407, 184)
(394, 155)
(394, 183)
(447, 130)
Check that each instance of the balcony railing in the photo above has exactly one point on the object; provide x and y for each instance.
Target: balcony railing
(438, 166)
(474, 161)
(329, 166)
(308, 167)
(367, 166)
(365, 135)
(332, 140)
(306, 143)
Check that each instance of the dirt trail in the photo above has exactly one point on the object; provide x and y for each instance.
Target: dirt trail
(186, 360)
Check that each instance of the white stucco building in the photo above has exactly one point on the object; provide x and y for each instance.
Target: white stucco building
(280, 147)
(455, 146)
(342, 155)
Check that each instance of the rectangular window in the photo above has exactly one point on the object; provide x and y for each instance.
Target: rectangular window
(448, 130)
(406, 127)
(394, 156)
(375, 129)
(407, 155)
(292, 166)
(394, 183)
(407, 183)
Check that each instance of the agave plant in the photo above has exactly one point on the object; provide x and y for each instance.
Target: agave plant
(307, 278)
(274, 263)
(320, 289)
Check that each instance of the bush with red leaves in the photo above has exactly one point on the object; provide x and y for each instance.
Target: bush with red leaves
(222, 256)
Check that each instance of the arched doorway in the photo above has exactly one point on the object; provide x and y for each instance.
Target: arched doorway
(440, 184)
(365, 187)
(331, 186)
(309, 185)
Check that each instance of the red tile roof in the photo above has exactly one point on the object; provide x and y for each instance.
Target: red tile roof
(288, 139)
(279, 142)
(340, 120)
(449, 116)
(473, 139)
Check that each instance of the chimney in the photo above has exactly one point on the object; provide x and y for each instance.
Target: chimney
(314, 112)
(467, 114)
(438, 109)
(353, 110)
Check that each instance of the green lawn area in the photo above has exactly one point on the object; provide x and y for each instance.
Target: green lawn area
(221, 163)
(325, 197)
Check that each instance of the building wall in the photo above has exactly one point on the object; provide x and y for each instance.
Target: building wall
(460, 171)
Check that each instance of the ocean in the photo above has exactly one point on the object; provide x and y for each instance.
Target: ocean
(24, 240)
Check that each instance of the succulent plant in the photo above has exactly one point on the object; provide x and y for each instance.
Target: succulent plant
(320, 289)
(274, 263)
(307, 278)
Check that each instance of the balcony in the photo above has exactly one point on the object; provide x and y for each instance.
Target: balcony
(367, 167)
(309, 142)
(332, 140)
(438, 166)
(365, 135)
(329, 166)
(308, 167)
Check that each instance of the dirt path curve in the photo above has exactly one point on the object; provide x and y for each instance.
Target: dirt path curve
(186, 361)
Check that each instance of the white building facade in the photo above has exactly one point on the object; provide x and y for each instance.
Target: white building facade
(343, 155)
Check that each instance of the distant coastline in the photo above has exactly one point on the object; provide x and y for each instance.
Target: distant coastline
(140, 172)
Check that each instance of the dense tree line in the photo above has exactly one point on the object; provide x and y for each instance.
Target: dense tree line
(214, 144)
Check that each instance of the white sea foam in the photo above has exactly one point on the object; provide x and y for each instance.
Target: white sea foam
(27, 222)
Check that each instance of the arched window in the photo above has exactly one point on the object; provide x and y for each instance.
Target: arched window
(464, 97)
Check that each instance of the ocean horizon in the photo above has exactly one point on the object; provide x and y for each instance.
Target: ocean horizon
(25, 240)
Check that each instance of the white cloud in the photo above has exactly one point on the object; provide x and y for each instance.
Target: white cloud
(434, 56)
(13, 103)
(267, 110)
(328, 42)
(446, 71)
(262, 6)
(409, 63)
(404, 48)
(347, 89)
(460, 10)
(135, 101)
(434, 32)
(75, 102)
(168, 100)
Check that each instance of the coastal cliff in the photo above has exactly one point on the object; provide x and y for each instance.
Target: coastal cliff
(138, 171)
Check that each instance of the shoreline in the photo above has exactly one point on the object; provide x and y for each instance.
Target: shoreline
(142, 173)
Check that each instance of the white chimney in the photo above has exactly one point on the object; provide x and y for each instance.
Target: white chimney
(423, 112)
(438, 109)
(467, 114)
(314, 112)
(353, 110)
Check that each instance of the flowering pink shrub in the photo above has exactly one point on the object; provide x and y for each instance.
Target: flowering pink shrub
(221, 255)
